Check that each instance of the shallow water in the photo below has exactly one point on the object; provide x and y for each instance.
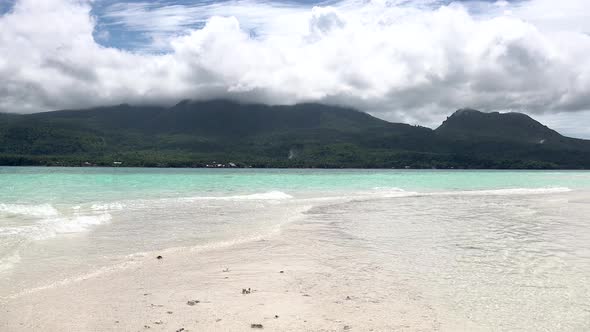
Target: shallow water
(503, 262)
(506, 250)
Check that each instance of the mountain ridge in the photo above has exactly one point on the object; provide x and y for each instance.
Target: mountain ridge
(512, 124)
(194, 133)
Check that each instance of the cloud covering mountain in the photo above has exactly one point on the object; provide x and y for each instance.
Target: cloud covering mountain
(409, 61)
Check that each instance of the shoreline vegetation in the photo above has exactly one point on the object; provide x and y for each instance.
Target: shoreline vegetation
(223, 133)
(33, 161)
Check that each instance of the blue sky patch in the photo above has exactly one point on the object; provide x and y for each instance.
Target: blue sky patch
(113, 31)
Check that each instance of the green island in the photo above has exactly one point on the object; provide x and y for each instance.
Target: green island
(222, 133)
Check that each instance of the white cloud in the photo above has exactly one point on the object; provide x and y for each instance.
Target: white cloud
(407, 62)
(163, 22)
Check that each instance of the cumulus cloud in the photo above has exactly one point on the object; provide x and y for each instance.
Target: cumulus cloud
(407, 61)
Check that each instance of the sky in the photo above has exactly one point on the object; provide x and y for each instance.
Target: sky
(400, 60)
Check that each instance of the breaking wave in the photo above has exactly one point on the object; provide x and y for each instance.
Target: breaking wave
(397, 192)
(51, 227)
(42, 210)
(76, 224)
(512, 191)
(270, 195)
(116, 206)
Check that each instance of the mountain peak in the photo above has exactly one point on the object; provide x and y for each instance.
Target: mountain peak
(473, 112)
(512, 126)
(466, 111)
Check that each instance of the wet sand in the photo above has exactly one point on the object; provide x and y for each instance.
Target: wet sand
(320, 289)
(492, 263)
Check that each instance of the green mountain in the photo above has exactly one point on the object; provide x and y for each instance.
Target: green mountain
(511, 136)
(518, 127)
(196, 134)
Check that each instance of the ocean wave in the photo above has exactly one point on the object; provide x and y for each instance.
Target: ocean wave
(384, 192)
(116, 206)
(510, 191)
(267, 195)
(138, 258)
(45, 229)
(392, 192)
(52, 227)
(76, 224)
(42, 210)
(270, 195)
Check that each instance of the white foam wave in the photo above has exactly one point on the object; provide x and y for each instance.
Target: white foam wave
(263, 196)
(77, 224)
(43, 210)
(52, 227)
(9, 231)
(270, 195)
(511, 191)
(139, 258)
(392, 192)
(383, 192)
(116, 206)
(392, 189)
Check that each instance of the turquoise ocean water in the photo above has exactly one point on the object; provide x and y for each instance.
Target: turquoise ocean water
(522, 227)
(80, 185)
